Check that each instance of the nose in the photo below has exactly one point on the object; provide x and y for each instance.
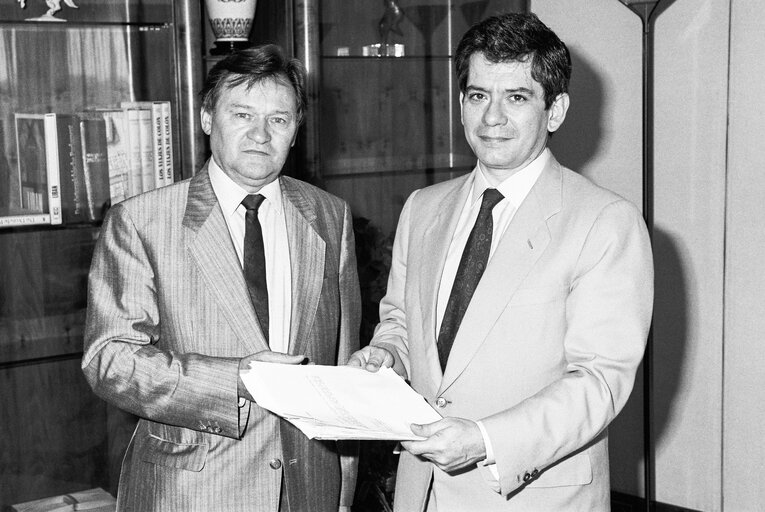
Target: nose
(494, 114)
(258, 131)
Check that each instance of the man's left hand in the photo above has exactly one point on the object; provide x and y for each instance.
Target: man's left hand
(451, 444)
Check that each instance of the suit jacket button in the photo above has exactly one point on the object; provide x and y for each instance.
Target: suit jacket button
(527, 477)
(535, 473)
(275, 463)
(217, 430)
(440, 402)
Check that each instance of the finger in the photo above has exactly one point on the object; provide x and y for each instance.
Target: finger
(429, 429)
(379, 358)
(268, 356)
(357, 359)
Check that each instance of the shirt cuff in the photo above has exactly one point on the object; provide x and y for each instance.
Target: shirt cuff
(489, 461)
(487, 443)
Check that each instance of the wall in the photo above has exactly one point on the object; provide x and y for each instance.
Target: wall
(744, 379)
(709, 183)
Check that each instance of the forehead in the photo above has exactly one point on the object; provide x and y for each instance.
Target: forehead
(511, 74)
(267, 93)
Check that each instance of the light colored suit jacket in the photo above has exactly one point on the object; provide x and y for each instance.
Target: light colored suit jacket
(547, 352)
(169, 317)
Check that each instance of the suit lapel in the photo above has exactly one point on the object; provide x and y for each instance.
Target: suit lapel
(209, 245)
(307, 251)
(437, 237)
(524, 241)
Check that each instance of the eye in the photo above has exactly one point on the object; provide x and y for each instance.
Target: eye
(280, 120)
(517, 98)
(242, 115)
(476, 96)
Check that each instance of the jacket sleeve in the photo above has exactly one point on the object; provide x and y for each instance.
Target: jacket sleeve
(607, 312)
(122, 359)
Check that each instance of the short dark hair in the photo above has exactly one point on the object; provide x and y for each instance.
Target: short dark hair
(517, 37)
(253, 65)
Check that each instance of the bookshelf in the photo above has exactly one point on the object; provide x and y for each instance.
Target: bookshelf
(57, 437)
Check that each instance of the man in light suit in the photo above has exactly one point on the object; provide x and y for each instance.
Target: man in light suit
(519, 298)
(171, 322)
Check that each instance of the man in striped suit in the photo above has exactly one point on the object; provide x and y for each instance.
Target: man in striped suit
(176, 308)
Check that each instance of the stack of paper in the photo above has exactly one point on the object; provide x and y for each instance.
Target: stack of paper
(339, 402)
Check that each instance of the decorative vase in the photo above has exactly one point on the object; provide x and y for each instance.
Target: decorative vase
(231, 22)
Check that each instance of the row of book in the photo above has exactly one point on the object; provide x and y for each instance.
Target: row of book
(73, 166)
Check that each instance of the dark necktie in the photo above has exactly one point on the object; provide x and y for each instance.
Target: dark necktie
(469, 272)
(255, 260)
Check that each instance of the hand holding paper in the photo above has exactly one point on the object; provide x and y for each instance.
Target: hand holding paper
(339, 402)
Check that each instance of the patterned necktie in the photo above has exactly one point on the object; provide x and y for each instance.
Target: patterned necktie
(469, 272)
(255, 260)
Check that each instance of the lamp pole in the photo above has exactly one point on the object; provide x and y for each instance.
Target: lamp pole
(646, 10)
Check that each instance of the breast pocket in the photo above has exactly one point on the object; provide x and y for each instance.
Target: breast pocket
(538, 295)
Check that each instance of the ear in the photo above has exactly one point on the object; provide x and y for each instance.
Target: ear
(462, 97)
(557, 112)
(206, 120)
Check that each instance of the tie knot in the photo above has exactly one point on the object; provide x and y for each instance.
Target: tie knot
(491, 196)
(252, 202)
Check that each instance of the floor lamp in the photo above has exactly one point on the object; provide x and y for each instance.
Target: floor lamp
(646, 10)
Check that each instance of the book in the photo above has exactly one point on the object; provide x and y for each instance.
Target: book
(153, 175)
(71, 170)
(167, 119)
(117, 152)
(53, 163)
(95, 500)
(32, 188)
(135, 157)
(158, 142)
(95, 164)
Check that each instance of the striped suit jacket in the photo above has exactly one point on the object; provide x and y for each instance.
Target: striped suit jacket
(169, 317)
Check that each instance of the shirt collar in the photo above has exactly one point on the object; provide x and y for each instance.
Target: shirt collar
(515, 187)
(230, 194)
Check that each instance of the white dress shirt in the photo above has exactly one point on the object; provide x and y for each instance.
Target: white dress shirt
(275, 244)
(514, 188)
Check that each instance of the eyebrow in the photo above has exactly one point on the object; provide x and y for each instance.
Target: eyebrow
(245, 106)
(516, 90)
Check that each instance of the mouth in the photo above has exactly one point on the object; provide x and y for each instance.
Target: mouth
(486, 139)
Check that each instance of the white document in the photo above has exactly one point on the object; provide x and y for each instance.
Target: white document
(339, 402)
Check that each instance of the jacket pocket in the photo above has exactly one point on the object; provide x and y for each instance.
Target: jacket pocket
(188, 456)
(538, 295)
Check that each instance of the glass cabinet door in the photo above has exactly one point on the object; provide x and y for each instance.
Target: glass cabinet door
(56, 437)
(388, 118)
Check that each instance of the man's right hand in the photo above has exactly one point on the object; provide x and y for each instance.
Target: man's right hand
(265, 356)
(371, 358)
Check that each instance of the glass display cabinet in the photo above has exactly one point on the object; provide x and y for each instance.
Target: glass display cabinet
(386, 116)
(56, 436)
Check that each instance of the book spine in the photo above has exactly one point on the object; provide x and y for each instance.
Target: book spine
(95, 165)
(32, 219)
(116, 150)
(32, 163)
(167, 121)
(135, 178)
(53, 168)
(146, 141)
(71, 177)
(158, 143)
